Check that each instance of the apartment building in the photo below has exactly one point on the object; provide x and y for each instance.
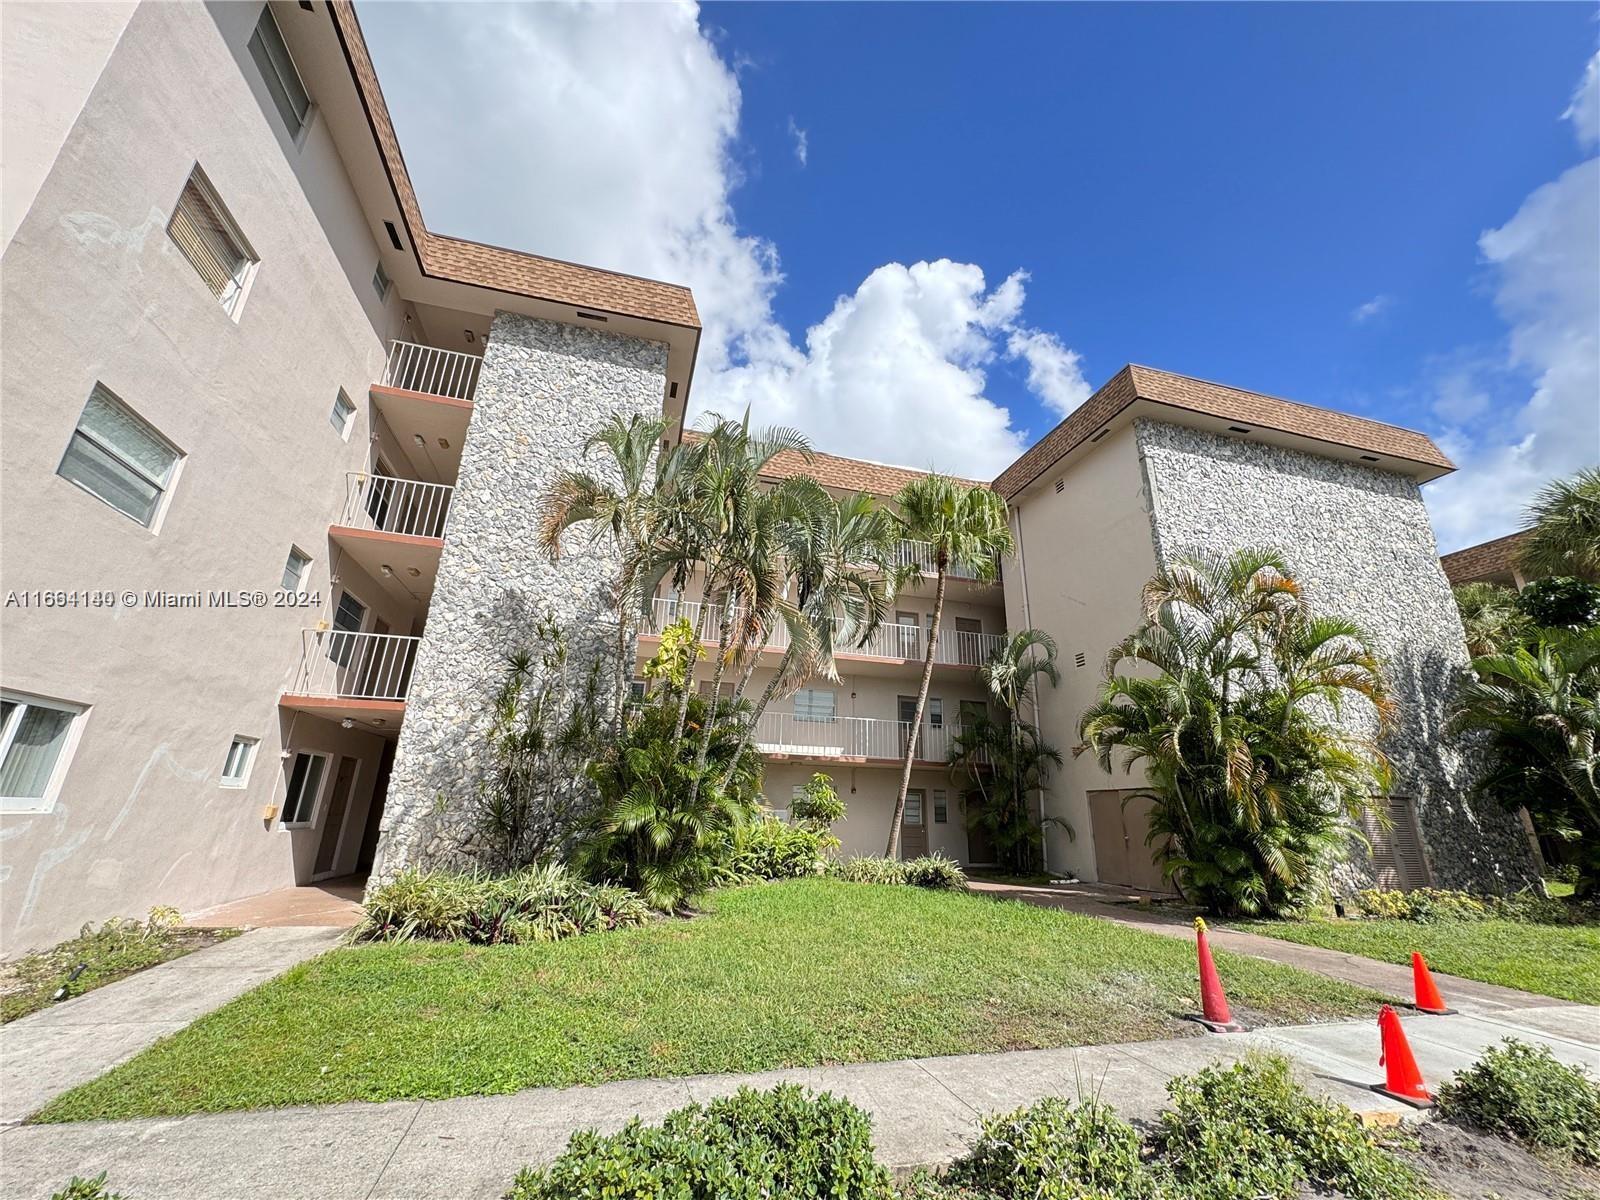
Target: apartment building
(268, 450)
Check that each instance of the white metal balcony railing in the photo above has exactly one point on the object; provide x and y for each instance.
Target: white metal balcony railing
(338, 664)
(392, 505)
(957, 647)
(850, 737)
(920, 555)
(418, 368)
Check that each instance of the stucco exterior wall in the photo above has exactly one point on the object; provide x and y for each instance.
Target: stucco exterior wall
(1083, 554)
(868, 794)
(542, 390)
(1361, 545)
(94, 290)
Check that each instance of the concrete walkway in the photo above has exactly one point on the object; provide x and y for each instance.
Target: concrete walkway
(334, 904)
(58, 1048)
(1115, 904)
(924, 1112)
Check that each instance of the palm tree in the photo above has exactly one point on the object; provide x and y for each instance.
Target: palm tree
(623, 507)
(1540, 709)
(965, 526)
(1490, 617)
(1228, 715)
(1007, 760)
(842, 574)
(1565, 524)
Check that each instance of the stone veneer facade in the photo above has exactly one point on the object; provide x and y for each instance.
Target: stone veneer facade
(1360, 543)
(543, 389)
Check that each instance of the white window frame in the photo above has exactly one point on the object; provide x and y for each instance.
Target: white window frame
(164, 490)
(297, 133)
(310, 821)
(232, 305)
(810, 693)
(381, 283)
(343, 428)
(941, 806)
(69, 747)
(300, 576)
(251, 745)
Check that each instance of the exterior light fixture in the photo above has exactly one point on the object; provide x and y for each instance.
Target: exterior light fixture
(420, 440)
(347, 723)
(444, 443)
(471, 337)
(413, 572)
(377, 720)
(388, 571)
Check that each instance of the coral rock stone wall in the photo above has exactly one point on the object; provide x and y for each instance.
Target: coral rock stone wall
(543, 389)
(1359, 541)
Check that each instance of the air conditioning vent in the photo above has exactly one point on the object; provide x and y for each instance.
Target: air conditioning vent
(1060, 484)
(1080, 659)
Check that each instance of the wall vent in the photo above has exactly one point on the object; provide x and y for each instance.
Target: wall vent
(672, 390)
(1098, 436)
(306, 4)
(394, 235)
(589, 316)
(1369, 458)
(1237, 429)
(1060, 483)
(1080, 659)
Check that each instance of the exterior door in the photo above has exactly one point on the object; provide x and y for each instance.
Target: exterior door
(348, 617)
(1120, 821)
(913, 825)
(907, 635)
(338, 808)
(1398, 862)
(980, 849)
(379, 495)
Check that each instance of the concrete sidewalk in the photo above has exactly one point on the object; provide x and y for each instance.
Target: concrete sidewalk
(924, 1112)
(58, 1048)
(1391, 979)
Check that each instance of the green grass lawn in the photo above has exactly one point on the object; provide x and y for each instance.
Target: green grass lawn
(807, 972)
(1553, 960)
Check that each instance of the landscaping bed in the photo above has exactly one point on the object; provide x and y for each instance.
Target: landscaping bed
(798, 973)
(1552, 960)
(114, 951)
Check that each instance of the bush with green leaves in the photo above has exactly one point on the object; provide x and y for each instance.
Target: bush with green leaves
(1523, 1092)
(933, 871)
(79, 1188)
(773, 849)
(1056, 1150)
(653, 830)
(1560, 602)
(1249, 1131)
(752, 1145)
(817, 806)
(537, 904)
(1434, 904)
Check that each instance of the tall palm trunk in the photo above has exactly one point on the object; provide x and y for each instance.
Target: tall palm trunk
(893, 849)
(700, 755)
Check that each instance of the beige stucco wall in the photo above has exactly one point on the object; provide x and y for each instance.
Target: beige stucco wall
(94, 290)
(51, 54)
(1083, 555)
(869, 794)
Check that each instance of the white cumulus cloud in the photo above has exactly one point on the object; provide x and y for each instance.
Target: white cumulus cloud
(608, 134)
(802, 149)
(1375, 307)
(1545, 263)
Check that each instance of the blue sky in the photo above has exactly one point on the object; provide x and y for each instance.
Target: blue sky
(1300, 199)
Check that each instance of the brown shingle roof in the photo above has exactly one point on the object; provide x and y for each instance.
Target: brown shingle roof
(492, 266)
(846, 474)
(1216, 400)
(1486, 560)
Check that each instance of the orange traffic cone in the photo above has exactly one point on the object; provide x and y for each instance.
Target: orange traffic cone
(1401, 1080)
(1428, 998)
(1213, 1001)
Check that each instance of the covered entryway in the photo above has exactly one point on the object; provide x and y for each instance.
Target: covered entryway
(1120, 820)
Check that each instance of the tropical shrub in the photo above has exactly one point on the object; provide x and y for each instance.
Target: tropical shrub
(1560, 602)
(753, 1145)
(818, 806)
(545, 726)
(1234, 698)
(1538, 710)
(773, 849)
(1523, 1092)
(1249, 1131)
(654, 830)
(1490, 617)
(1430, 904)
(933, 871)
(1056, 1150)
(536, 904)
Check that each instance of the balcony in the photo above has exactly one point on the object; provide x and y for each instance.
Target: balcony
(426, 398)
(394, 528)
(920, 555)
(784, 736)
(362, 677)
(889, 643)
